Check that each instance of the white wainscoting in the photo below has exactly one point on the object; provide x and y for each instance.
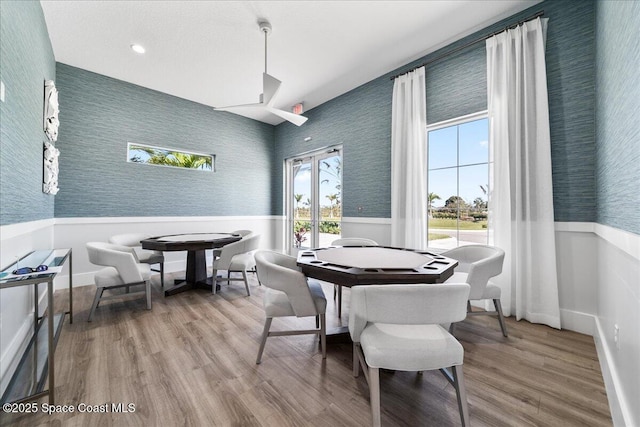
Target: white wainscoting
(618, 303)
(76, 232)
(377, 229)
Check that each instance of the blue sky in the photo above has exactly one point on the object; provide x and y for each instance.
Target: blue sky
(328, 182)
(468, 144)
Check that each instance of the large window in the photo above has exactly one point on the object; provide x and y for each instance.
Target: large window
(458, 186)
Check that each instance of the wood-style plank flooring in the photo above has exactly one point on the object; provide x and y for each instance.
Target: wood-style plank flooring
(191, 362)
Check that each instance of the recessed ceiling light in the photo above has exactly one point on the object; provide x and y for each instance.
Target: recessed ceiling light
(137, 48)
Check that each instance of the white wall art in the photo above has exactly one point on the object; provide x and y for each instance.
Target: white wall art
(50, 169)
(51, 110)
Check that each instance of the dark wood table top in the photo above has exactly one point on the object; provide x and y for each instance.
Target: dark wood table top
(375, 265)
(189, 241)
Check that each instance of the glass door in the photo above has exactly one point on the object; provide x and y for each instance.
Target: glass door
(314, 199)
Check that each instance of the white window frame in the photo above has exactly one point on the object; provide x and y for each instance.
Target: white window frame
(484, 114)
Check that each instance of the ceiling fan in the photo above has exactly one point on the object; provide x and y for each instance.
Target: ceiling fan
(270, 88)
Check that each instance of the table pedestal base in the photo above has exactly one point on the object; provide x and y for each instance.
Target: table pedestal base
(338, 335)
(183, 285)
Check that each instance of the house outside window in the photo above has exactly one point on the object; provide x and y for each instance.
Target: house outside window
(458, 181)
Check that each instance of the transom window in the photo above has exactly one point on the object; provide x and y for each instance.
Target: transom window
(458, 186)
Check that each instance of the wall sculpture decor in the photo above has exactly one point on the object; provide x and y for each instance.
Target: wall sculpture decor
(50, 153)
(51, 110)
(50, 170)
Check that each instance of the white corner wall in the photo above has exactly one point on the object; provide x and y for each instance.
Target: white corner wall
(618, 303)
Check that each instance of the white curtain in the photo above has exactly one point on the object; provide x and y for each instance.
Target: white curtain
(521, 202)
(408, 161)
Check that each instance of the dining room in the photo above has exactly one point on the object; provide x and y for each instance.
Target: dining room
(152, 143)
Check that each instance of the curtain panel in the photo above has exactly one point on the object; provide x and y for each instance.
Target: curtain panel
(409, 161)
(521, 201)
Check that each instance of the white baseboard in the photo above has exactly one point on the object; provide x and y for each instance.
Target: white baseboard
(620, 413)
(583, 323)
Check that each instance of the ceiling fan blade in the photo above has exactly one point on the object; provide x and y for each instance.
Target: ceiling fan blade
(293, 118)
(233, 107)
(270, 88)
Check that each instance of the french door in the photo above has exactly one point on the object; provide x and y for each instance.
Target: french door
(314, 199)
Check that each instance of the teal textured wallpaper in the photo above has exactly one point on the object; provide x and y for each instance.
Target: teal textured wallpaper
(617, 121)
(361, 121)
(26, 61)
(101, 115)
(456, 86)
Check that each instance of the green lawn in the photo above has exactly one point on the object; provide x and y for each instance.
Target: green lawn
(453, 224)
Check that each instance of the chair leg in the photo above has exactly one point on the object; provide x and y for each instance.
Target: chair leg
(147, 286)
(96, 300)
(468, 306)
(162, 275)
(356, 360)
(323, 335)
(461, 394)
(503, 325)
(374, 394)
(246, 282)
(265, 334)
(339, 301)
(214, 281)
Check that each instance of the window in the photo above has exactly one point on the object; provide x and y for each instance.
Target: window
(458, 186)
(147, 154)
(314, 199)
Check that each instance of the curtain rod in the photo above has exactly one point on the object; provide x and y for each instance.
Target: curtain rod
(471, 43)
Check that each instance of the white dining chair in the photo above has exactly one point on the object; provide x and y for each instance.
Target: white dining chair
(144, 256)
(289, 293)
(122, 270)
(476, 265)
(398, 327)
(236, 257)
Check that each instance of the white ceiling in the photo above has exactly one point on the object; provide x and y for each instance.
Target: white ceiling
(212, 52)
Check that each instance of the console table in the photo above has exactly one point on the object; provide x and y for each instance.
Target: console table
(36, 365)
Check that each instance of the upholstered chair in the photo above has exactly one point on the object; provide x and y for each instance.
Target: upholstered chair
(289, 293)
(476, 265)
(145, 256)
(122, 270)
(348, 241)
(236, 257)
(398, 327)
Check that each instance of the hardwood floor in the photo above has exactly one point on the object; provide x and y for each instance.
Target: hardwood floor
(191, 361)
